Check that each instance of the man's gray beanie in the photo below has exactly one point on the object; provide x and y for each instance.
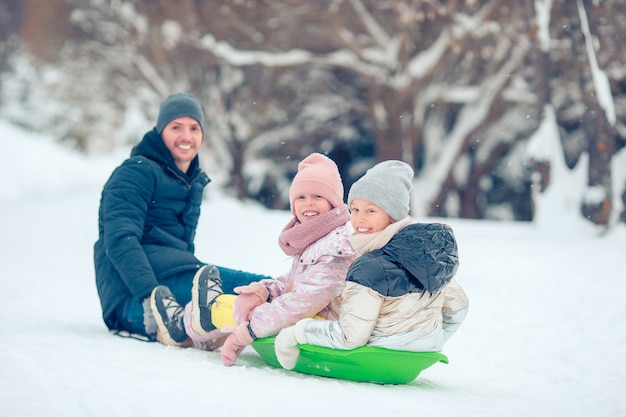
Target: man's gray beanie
(387, 185)
(178, 105)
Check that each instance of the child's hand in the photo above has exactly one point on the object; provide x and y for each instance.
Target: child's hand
(250, 297)
(236, 342)
(286, 344)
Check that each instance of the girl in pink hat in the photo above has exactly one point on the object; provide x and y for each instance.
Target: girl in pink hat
(318, 239)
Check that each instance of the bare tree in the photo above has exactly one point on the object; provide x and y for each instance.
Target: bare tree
(454, 88)
(430, 93)
(585, 112)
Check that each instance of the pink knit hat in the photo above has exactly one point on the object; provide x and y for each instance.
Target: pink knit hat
(318, 175)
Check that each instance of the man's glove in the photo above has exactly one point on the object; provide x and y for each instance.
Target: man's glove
(250, 297)
(287, 341)
(235, 343)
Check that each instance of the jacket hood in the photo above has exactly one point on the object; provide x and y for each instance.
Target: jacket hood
(428, 252)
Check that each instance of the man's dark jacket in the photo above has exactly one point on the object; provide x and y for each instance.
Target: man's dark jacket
(147, 221)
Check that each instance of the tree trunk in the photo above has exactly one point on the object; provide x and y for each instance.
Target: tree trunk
(600, 137)
(386, 111)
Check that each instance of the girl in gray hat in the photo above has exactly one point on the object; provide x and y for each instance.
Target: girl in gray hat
(400, 292)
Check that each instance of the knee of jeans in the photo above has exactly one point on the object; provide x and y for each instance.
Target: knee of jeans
(232, 278)
(180, 285)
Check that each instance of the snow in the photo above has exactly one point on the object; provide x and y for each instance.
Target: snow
(539, 340)
(543, 8)
(227, 52)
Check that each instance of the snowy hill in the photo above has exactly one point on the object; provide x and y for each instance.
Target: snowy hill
(545, 335)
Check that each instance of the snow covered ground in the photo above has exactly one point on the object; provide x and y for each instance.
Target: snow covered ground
(545, 335)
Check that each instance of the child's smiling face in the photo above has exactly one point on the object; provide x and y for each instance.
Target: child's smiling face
(309, 206)
(367, 217)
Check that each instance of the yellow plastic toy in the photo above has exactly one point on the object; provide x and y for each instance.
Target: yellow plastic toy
(222, 314)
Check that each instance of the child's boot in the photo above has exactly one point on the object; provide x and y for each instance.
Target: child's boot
(209, 341)
(207, 286)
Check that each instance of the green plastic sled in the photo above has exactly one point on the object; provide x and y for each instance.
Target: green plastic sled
(363, 364)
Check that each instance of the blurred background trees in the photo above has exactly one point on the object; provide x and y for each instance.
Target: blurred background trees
(457, 89)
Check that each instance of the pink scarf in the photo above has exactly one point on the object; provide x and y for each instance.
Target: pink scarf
(296, 236)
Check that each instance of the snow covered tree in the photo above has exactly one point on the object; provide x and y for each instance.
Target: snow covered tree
(455, 88)
(582, 97)
(10, 16)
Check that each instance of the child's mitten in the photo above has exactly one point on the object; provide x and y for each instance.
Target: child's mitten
(286, 344)
(250, 297)
(235, 343)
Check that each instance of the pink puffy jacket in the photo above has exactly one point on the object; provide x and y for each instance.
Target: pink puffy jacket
(311, 287)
